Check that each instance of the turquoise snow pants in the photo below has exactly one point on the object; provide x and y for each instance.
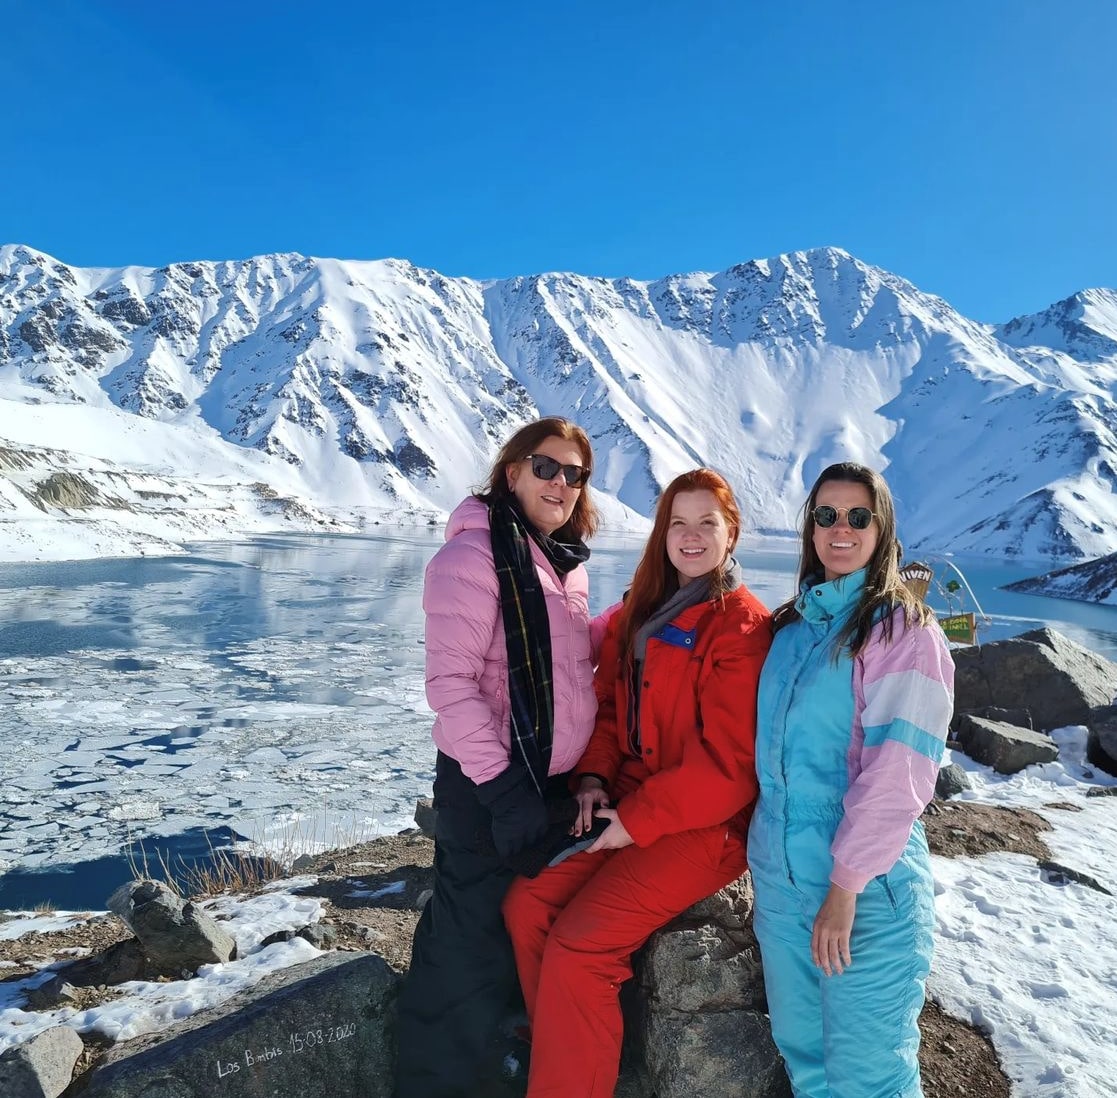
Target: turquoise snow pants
(853, 1035)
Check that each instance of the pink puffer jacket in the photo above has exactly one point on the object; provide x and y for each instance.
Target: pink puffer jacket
(467, 662)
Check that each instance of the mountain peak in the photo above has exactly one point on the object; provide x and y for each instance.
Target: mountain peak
(1084, 324)
(379, 386)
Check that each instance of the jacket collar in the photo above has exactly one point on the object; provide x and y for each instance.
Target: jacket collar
(821, 602)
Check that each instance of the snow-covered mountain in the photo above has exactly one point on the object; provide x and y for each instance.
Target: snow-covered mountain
(1091, 581)
(207, 399)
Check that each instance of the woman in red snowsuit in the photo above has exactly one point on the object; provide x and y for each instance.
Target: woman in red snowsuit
(670, 767)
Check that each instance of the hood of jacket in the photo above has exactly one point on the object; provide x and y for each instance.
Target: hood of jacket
(470, 514)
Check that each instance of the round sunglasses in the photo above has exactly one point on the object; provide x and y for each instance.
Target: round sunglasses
(545, 468)
(857, 517)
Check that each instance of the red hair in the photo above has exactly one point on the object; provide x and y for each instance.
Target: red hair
(656, 580)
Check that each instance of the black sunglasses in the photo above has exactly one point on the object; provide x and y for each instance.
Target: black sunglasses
(858, 517)
(545, 468)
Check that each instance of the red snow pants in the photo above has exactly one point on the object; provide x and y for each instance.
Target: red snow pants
(574, 929)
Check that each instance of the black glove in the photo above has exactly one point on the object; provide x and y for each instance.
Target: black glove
(518, 812)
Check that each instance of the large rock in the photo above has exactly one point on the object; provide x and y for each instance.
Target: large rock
(708, 958)
(702, 1030)
(726, 1055)
(951, 781)
(55, 992)
(42, 1066)
(1022, 718)
(120, 962)
(425, 816)
(1101, 743)
(320, 1030)
(695, 969)
(1007, 748)
(1056, 680)
(730, 909)
(175, 936)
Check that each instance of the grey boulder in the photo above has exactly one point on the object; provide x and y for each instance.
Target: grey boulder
(53, 993)
(951, 781)
(323, 1029)
(1101, 742)
(42, 1066)
(703, 1027)
(176, 936)
(1057, 681)
(425, 816)
(1007, 748)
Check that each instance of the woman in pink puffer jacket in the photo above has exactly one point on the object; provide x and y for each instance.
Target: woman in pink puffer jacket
(510, 678)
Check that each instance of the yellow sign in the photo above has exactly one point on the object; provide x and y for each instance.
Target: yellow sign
(960, 628)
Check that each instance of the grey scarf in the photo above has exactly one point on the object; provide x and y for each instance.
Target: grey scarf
(691, 595)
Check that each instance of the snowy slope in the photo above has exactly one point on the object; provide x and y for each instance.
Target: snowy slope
(1092, 581)
(376, 390)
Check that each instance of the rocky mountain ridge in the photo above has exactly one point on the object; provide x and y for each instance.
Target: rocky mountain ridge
(379, 389)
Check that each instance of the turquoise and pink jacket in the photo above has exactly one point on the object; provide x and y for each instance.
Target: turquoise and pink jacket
(847, 749)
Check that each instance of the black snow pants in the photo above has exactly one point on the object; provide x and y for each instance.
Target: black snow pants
(463, 975)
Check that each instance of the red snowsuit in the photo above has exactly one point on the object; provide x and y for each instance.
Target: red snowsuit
(685, 799)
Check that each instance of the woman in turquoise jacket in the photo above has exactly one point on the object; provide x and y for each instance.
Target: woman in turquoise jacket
(855, 698)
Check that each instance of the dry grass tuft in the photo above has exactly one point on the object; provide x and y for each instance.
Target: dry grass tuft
(241, 869)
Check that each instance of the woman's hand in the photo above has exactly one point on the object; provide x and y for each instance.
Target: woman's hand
(591, 796)
(832, 927)
(615, 836)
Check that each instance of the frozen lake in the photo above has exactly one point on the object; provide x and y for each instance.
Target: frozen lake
(271, 689)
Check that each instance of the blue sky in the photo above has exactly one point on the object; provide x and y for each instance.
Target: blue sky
(970, 147)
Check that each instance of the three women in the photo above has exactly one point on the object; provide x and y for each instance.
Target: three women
(854, 701)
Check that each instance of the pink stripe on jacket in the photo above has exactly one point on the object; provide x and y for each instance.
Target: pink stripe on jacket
(903, 700)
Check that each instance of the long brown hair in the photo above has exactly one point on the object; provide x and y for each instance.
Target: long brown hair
(884, 589)
(656, 580)
(582, 523)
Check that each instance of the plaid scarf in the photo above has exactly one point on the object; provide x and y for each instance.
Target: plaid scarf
(527, 630)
